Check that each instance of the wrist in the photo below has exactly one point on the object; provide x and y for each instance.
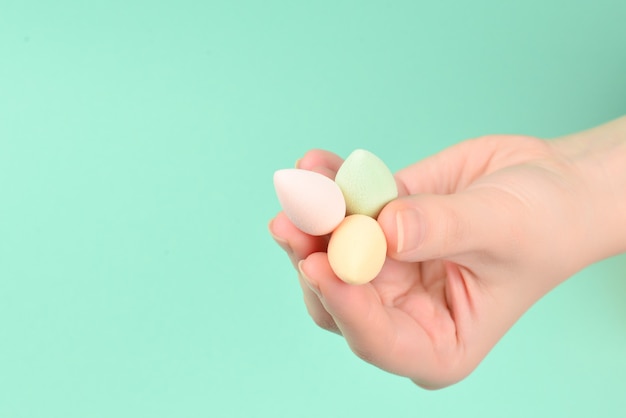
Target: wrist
(598, 158)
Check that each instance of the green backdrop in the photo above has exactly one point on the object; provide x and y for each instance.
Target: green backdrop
(137, 145)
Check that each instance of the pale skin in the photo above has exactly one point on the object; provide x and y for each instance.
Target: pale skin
(479, 233)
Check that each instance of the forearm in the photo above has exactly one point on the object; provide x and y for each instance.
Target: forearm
(599, 157)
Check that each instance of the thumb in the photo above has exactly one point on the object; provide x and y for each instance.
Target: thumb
(428, 226)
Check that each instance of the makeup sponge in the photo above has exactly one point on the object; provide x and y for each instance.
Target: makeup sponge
(346, 208)
(366, 183)
(357, 249)
(312, 202)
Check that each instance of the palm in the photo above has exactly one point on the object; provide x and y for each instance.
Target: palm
(418, 303)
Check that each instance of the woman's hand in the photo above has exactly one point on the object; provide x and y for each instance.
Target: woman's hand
(479, 233)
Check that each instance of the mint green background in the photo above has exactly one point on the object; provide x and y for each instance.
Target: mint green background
(137, 145)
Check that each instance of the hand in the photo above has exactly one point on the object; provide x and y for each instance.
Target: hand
(480, 232)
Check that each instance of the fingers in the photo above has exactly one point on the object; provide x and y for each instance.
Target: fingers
(357, 310)
(298, 246)
(296, 243)
(428, 226)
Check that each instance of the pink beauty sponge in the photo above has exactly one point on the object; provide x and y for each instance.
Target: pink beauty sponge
(312, 202)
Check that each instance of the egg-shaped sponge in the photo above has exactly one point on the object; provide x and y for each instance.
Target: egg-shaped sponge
(366, 183)
(357, 249)
(312, 202)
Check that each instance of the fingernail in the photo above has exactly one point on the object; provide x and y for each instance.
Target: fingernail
(409, 230)
(307, 280)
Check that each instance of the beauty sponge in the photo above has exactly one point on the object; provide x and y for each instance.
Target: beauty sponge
(357, 249)
(312, 202)
(366, 183)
